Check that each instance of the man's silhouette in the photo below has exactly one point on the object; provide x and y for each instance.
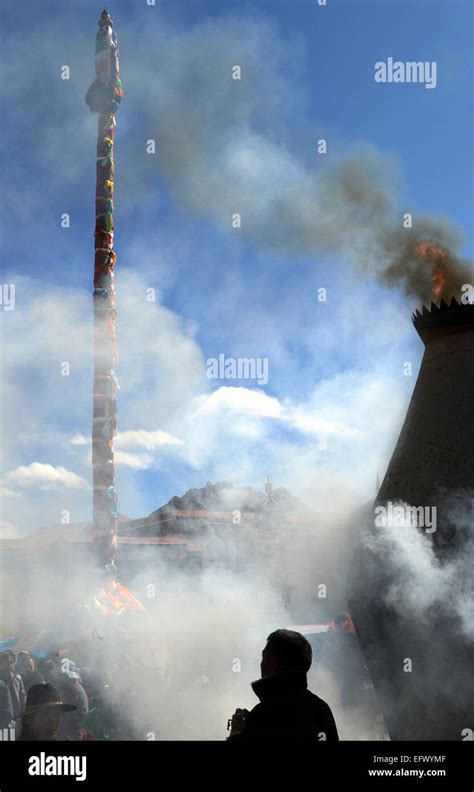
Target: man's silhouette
(287, 708)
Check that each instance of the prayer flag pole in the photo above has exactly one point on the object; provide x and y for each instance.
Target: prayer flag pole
(103, 97)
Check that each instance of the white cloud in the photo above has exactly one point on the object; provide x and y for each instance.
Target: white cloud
(260, 405)
(306, 422)
(135, 461)
(142, 438)
(46, 476)
(7, 531)
(8, 493)
(125, 444)
(80, 440)
(134, 438)
(241, 400)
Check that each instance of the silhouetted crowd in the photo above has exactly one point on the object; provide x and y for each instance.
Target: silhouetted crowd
(49, 699)
(32, 690)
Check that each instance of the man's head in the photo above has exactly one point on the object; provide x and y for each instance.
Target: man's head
(7, 666)
(286, 650)
(26, 664)
(46, 668)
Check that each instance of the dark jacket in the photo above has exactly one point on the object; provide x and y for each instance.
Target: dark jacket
(6, 706)
(17, 692)
(288, 710)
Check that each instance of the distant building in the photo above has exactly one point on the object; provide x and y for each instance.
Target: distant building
(236, 528)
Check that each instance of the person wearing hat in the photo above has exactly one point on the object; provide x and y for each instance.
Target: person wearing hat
(42, 716)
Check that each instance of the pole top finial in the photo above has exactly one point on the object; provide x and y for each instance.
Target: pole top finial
(105, 19)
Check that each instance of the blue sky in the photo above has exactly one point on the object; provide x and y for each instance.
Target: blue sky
(336, 394)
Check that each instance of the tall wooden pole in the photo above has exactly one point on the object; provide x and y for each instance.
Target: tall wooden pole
(103, 97)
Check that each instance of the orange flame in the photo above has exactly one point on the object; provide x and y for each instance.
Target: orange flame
(115, 599)
(437, 257)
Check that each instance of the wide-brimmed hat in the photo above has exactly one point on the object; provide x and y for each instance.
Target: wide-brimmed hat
(44, 697)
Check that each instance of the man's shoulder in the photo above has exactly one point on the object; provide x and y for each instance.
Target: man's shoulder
(324, 713)
(318, 703)
(303, 716)
(303, 701)
(317, 700)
